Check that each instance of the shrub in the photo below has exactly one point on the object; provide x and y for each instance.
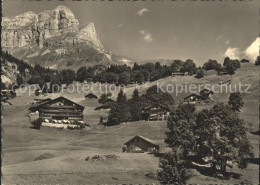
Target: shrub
(37, 123)
(200, 74)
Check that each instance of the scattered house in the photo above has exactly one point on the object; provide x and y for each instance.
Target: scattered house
(62, 110)
(88, 80)
(38, 92)
(177, 73)
(226, 82)
(244, 61)
(192, 99)
(106, 105)
(155, 112)
(206, 94)
(91, 96)
(140, 144)
(7, 94)
(223, 73)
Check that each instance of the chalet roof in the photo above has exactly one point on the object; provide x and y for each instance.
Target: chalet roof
(60, 98)
(207, 91)
(154, 105)
(42, 98)
(146, 139)
(109, 100)
(91, 95)
(193, 94)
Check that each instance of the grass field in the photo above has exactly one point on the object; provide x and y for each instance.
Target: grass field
(63, 152)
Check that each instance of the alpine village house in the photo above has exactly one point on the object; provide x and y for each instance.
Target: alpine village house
(204, 97)
(155, 112)
(61, 109)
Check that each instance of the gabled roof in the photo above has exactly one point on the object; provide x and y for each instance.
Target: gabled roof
(61, 98)
(155, 104)
(207, 91)
(91, 95)
(109, 100)
(145, 139)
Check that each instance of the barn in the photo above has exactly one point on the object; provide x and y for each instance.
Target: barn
(192, 99)
(140, 144)
(91, 96)
(206, 94)
(62, 109)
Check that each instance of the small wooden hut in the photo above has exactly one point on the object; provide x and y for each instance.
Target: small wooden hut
(140, 144)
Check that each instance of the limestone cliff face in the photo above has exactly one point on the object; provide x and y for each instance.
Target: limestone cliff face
(54, 39)
(88, 34)
(30, 28)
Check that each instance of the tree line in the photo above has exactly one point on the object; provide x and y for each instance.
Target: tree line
(123, 74)
(117, 74)
(124, 110)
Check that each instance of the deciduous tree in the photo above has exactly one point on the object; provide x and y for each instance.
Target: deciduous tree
(236, 101)
(221, 136)
(173, 169)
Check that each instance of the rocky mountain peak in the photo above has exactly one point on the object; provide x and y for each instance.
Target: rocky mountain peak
(88, 34)
(30, 28)
(54, 38)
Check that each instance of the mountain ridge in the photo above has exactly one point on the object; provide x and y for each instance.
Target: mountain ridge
(55, 39)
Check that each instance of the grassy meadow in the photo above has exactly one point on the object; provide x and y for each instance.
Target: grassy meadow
(57, 156)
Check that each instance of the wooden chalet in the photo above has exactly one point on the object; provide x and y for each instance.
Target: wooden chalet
(192, 99)
(155, 112)
(61, 108)
(91, 96)
(140, 144)
(223, 72)
(206, 94)
(244, 61)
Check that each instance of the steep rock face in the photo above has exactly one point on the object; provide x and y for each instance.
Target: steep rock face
(88, 34)
(54, 38)
(30, 28)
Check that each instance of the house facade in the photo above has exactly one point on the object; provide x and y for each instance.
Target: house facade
(140, 144)
(61, 109)
(155, 112)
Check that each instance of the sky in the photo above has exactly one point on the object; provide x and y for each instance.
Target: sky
(197, 30)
